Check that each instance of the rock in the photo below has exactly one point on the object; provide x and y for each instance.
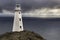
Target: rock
(23, 35)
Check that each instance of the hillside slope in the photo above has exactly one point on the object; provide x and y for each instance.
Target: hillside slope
(24, 35)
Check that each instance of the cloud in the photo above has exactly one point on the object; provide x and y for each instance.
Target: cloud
(28, 4)
(43, 13)
(30, 8)
(37, 13)
(6, 13)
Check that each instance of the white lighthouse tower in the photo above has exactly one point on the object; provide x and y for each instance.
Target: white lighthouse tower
(18, 24)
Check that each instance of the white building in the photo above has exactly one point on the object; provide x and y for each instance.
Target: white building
(18, 24)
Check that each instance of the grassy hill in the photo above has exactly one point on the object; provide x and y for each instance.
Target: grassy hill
(23, 35)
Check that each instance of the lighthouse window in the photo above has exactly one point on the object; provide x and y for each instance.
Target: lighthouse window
(19, 19)
(17, 5)
(20, 26)
(19, 12)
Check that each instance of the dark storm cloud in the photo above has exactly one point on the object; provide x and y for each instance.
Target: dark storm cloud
(38, 3)
(7, 4)
(28, 4)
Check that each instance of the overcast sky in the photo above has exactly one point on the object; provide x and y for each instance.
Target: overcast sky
(28, 4)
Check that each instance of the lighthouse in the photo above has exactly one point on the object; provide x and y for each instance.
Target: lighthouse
(18, 23)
